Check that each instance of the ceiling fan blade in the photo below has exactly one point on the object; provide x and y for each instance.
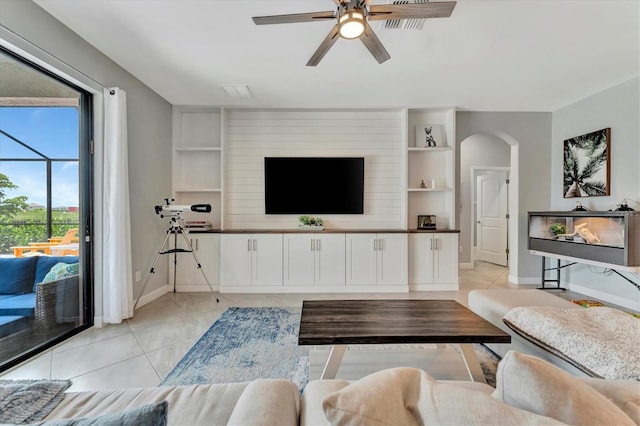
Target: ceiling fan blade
(372, 42)
(294, 17)
(326, 44)
(439, 9)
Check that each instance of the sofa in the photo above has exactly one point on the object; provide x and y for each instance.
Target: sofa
(528, 391)
(494, 304)
(32, 297)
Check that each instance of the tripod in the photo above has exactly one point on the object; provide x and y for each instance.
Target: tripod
(176, 226)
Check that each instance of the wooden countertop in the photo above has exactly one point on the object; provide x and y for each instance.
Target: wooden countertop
(325, 231)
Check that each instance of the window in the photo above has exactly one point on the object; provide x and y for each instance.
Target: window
(45, 205)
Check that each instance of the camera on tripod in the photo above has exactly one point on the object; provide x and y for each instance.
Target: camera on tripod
(174, 209)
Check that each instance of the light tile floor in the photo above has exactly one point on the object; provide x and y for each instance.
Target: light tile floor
(141, 351)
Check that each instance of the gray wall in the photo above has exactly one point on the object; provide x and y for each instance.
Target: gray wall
(619, 108)
(476, 151)
(532, 132)
(148, 118)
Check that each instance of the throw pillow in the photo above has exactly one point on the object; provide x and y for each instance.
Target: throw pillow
(624, 393)
(146, 415)
(530, 383)
(409, 396)
(17, 274)
(61, 270)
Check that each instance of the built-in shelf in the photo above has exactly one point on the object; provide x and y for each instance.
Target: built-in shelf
(198, 149)
(426, 149)
(428, 189)
(197, 190)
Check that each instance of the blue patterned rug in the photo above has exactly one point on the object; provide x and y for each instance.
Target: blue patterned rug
(246, 344)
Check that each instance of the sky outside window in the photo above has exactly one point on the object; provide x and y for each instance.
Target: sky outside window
(53, 131)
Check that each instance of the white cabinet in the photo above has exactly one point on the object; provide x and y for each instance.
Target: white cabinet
(314, 259)
(206, 248)
(433, 261)
(376, 259)
(251, 260)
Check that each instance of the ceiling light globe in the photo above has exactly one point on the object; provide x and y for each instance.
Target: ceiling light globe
(351, 25)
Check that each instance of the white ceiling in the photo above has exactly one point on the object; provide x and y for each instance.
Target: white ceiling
(491, 55)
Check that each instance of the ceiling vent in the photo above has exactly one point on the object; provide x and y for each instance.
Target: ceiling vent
(237, 90)
(404, 24)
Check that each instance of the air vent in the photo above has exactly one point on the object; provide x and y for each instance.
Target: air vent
(405, 24)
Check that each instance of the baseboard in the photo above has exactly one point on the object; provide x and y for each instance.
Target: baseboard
(434, 287)
(194, 288)
(315, 289)
(606, 297)
(150, 297)
(524, 280)
(466, 265)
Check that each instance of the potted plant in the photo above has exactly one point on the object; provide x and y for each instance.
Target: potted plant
(557, 229)
(309, 222)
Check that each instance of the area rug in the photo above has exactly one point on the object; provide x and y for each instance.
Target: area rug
(246, 344)
(262, 343)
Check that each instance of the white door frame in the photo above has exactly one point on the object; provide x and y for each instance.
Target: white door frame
(475, 171)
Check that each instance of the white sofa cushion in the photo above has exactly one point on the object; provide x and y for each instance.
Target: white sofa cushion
(267, 402)
(535, 385)
(409, 396)
(624, 393)
(188, 405)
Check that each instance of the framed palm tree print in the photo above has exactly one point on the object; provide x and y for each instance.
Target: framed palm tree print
(586, 165)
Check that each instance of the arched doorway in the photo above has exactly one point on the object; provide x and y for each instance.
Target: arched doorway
(482, 154)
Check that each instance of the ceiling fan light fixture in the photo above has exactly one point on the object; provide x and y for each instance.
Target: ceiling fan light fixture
(351, 24)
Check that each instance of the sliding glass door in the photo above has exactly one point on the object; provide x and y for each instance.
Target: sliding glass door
(45, 209)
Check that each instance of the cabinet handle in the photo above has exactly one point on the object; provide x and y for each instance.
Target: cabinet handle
(318, 244)
(254, 245)
(312, 248)
(437, 245)
(375, 246)
(431, 244)
(248, 245)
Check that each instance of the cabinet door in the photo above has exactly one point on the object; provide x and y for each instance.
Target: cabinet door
(299, 259)
(392, 259)
(235, 259)
(182, 262)
(266, 259)
(329, 259)
(360, 259)
(445, 258)
(421, 259)
(207, 250)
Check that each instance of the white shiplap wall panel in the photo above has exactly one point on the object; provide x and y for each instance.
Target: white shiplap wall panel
(251, 135)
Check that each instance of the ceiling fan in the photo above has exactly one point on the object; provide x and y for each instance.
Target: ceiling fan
(352, 18)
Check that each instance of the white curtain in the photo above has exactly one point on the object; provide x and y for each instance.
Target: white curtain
(117, 283)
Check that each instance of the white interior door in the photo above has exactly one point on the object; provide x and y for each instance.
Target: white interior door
(491, 220)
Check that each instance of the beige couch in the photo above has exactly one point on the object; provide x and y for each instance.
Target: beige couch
(529, 391)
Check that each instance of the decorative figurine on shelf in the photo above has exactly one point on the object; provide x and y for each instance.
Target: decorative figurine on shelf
(429, 140)
(584, 232)
(422, 184)
(579, 207)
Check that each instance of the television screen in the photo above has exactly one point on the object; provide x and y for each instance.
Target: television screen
(313, 185)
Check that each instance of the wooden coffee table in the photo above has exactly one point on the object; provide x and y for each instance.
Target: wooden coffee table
(344, 322)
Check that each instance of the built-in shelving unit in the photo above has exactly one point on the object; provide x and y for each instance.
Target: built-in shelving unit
(198, 160)
(218, 158)
(432, 165)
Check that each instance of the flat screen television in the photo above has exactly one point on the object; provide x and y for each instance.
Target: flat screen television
(314, 185)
